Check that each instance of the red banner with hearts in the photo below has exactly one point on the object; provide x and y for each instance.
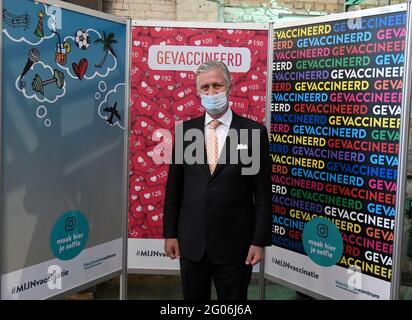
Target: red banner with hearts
(164, 61)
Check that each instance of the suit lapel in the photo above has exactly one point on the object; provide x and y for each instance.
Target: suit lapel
(236, 124)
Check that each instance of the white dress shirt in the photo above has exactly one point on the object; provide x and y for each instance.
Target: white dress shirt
(222, 130)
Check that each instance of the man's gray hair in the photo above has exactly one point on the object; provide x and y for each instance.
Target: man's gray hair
(213, 65)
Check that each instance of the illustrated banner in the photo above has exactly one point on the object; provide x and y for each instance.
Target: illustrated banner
(63, 98)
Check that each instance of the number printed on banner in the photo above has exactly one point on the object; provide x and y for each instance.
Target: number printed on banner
(234, 35)
(136, 142)
(257, 98)
(243, 89)
(165, 42)
(137, 55)
(207, 39)
(143, 42)
(164, 118)
(165, 104)
(158, 177)
(180, 39)
(239, 105)
(148, 90)
(145, 125)
(161, 78)
(185, 106)
(183, 92)
(186, 77)
(155, 218)
(258, 43)
(146, 106)
(163, 32)
(151, 195)
(142, 162)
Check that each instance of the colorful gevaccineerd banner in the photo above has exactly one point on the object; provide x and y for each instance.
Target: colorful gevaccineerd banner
(63, 103)
(335, 128)
(165, 57)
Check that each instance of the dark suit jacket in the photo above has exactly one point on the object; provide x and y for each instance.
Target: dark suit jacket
(223, 213)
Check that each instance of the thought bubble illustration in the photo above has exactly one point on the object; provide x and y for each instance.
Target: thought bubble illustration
(111, 109)
(86, 59)
(47, 84)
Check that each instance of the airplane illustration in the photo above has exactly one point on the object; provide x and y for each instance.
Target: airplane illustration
(113, 112)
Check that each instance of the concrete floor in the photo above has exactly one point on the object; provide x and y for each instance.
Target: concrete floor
(168, 287)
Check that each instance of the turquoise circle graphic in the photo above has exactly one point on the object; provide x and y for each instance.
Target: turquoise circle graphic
(322, 242)
(69, 235)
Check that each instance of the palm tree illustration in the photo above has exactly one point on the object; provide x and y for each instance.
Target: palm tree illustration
(107, 42)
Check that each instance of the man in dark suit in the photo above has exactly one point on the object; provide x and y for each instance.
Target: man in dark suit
(217, 213)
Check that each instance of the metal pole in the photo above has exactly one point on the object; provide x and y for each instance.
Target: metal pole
(403, 155)
(261, 283)
(123, 276)
(268, 121)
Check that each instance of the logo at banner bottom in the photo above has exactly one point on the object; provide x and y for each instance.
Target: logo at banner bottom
(322, 242)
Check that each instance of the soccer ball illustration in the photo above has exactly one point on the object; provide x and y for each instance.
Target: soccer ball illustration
(82, 39)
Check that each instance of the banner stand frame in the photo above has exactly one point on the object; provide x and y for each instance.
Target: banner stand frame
(403, 139)
(1, 139)
(262, 286)
(403, 160)
(204, 25)
(123, 276)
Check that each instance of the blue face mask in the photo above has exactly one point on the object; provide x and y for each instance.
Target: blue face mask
(214, 104)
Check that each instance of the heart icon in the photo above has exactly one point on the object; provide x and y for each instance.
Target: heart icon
(144, 124)
(161, 115)
(139, 208)
(243, 89)
(136, 43)
(154, 178)
(198, 42)
(181, 94)
(156, 77)
(170, 88)
(134, 197)
(137, 188)
(143, 104)
(151, 208)
(155, 218)
(147, 195)
(144, 84)
(254, 77)
(230, 31)
(140, 160)
(150, 153)
(80, 69)
(157, 29)
(255, 98)
(180, 108)
(183, 75)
